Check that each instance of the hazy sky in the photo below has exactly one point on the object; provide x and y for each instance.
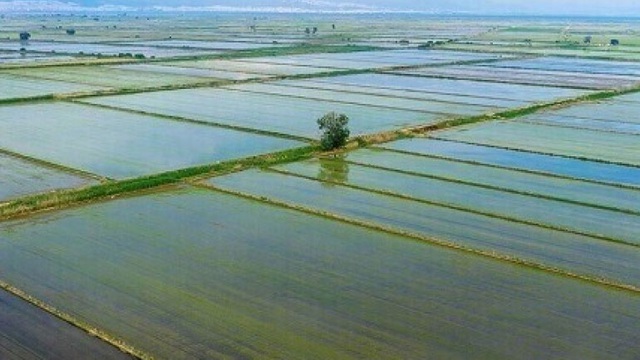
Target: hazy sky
(560, 7)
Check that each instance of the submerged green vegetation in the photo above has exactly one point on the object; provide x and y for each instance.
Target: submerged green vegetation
(68, 198)
(119, 145)
(19, 318)
(621, 149)
(455, 227)
(19, 177)
(162, 187)
(252, 286)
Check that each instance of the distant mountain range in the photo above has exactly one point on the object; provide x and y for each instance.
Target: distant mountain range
(625, 8)
(188, 5)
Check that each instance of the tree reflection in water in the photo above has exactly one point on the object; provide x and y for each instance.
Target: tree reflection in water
(333, 170)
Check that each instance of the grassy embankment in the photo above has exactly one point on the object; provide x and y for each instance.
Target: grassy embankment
(62, 199)
(502, 115)
(67, 198)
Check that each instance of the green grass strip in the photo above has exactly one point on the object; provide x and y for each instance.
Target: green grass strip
(28, 99)
(67, 198)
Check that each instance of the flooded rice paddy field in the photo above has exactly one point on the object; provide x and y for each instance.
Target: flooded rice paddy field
(20, 87)
(514, 237)
(525, 161)
(20, 177)
(527, 76)
(457, 225)
(105, 77)
(66, 48)
(288, 110)
(27, 332)
(587, 144)
(197, 273)
(118, 144)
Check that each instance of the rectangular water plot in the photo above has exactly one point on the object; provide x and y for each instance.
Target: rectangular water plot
(201, 44)
(621, 149)
(28, 332)
(119, 144)
(19, 177)
(191, 72)
(197, 273)
(253, 68)
(374, 59)
(275, 113)
(285, 89)
(589, 220)
(524, 161)
(15, 87)
(622, 127)
(612, 110)
(481, 89)
(492, 235)
(529, 77)
(106, 76)
(598, 195)
(70, 48)
(481, 101)
(586, 66)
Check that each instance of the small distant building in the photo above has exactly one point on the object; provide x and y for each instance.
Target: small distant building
(614, 42)
(24, 36)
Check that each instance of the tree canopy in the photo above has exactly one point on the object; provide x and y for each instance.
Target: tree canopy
(335, 131)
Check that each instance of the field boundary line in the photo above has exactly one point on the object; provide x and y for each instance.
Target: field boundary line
(91, 60)
(578, 127)
(460, 208)
(523, 170)
(588, 72)
(431, 240)
(91, 330)
(54, 166)
(426, 91)
(342, 102)
(520, 50)
(197, 122)
(312, 85)
(497, 188)
(28, 205)
(399, 67)
(575, 157)
(495, 81)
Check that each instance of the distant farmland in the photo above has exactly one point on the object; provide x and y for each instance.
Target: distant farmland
(163, 194)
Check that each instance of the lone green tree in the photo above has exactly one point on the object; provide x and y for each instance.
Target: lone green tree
(335, 131)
